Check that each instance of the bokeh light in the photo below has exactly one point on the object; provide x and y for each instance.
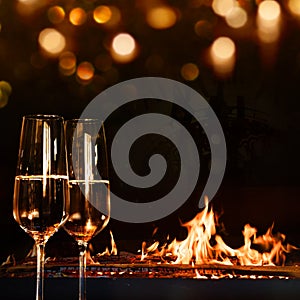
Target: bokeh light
(115, 17)
(56, 14)
(236, 17)
(189, 71)
(123, 48)
(222, 7)
(268, 21)
(269, 10)
(85, 72)
(77, 16)
(52, 41)
(294, 7)
(123, 44)
(67, 63)
(102, 14)
(5, 91)
(28, 2)
(28, 7)
(161, 17)
(223, 48)
(204, 29)
(5, 87)
(223, 56)
(3, 99)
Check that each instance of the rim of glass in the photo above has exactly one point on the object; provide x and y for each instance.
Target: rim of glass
(43, 117)
(89, 120)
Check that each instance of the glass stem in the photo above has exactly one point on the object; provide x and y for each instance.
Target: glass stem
(40, 271)
(82, 270)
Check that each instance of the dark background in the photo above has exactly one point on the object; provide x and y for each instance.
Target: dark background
(257, 104)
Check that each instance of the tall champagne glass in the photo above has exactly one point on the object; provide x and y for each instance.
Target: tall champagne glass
(88, 185)
(41, 195)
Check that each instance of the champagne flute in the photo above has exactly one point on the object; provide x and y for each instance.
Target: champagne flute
(41, 194)
(88, 186)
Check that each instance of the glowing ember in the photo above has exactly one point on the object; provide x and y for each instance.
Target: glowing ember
(204, 246)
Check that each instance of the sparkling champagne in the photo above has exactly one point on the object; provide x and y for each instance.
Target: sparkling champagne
(89, 208)
(41, 204)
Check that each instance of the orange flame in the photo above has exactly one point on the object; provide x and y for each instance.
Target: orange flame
(113, 251)
(204, 246)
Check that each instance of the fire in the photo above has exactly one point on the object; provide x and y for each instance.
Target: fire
(204, 246)
(113, 250)
(202, 255)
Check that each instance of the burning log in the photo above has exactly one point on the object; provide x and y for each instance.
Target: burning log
(108, 268)
(204, 246)
(202, 255)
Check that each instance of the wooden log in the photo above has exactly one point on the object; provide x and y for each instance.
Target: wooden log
(159, 270)
(129, 265)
